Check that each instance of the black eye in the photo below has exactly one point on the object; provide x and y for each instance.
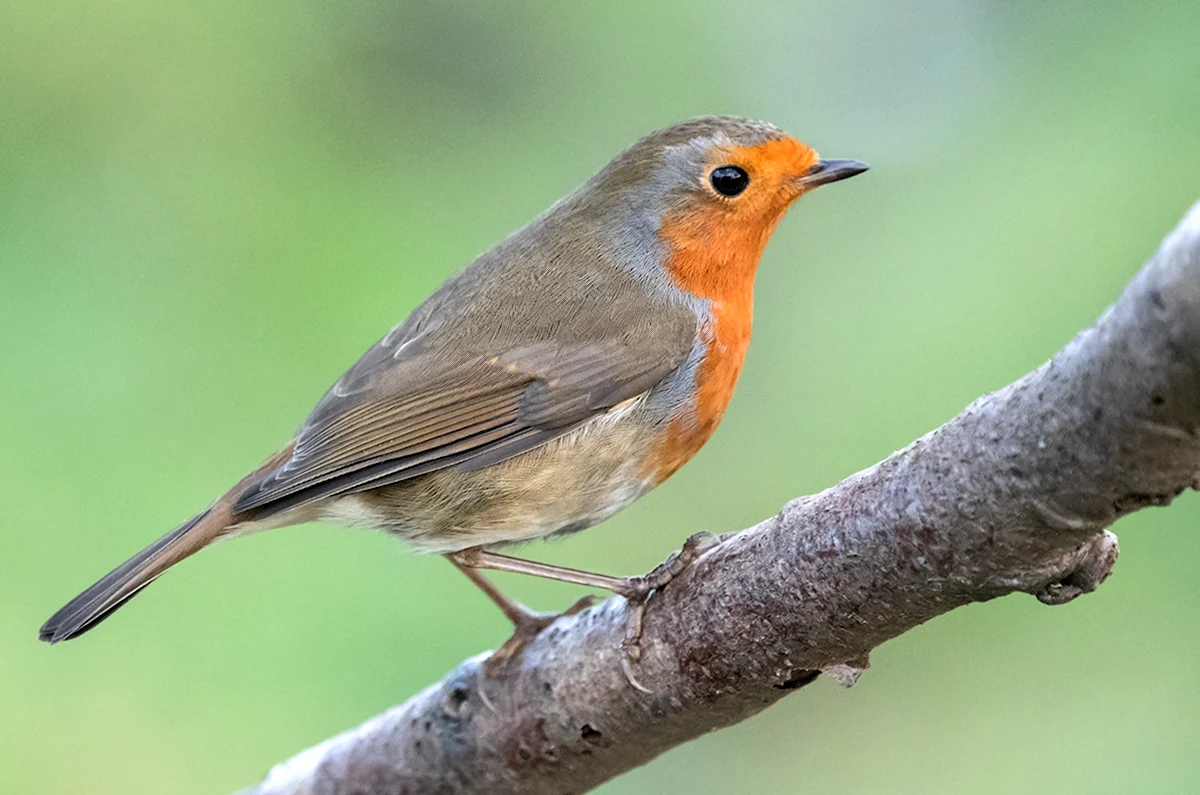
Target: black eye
(729, 180)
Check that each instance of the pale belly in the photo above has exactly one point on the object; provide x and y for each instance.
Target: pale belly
(569, 484)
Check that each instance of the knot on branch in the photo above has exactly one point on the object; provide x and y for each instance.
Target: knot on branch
(847, 674)
(1091, 566)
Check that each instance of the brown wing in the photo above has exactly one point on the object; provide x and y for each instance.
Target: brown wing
(392, 419)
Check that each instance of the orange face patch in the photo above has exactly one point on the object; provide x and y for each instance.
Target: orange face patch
(716, 243)
(774, 167)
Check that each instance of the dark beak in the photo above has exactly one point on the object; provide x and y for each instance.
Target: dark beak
(827, 171)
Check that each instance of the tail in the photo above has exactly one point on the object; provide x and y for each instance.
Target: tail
(127, 580)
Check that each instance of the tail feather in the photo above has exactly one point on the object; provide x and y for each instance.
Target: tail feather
(127, 580)
(124, 582)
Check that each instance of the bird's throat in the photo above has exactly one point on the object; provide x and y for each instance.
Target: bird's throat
(721, 271)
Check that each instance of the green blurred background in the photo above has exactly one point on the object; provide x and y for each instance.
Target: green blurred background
(209, 210)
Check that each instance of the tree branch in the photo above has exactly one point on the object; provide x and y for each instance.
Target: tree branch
(1011, 495)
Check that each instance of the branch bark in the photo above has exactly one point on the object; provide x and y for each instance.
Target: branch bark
(1013, 494)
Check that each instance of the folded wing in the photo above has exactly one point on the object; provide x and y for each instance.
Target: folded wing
(394, 417)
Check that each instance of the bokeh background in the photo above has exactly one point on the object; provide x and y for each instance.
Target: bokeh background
(208, 210)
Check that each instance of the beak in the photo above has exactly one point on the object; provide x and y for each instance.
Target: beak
(827, 171)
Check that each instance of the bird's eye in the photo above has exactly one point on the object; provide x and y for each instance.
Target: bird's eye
(729, 180)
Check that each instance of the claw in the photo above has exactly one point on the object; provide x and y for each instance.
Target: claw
(637, 593)
(627, 669)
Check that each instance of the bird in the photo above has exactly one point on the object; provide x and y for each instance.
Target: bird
(556, 379)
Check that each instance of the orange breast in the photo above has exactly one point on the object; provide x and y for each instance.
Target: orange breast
(718, 267)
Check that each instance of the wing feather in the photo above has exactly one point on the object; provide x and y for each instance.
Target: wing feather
(393, 417)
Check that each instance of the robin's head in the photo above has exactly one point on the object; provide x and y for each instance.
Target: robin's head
(715, 187)
(737, 169)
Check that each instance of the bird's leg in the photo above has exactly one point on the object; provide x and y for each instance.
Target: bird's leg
(526, 623)
(513, 610)
(479, 558)
(636, 590)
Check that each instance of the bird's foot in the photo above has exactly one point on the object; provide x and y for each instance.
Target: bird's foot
(527, 625)
(637, 591)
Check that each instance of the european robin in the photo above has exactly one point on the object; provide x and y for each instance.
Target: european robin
(559, 377)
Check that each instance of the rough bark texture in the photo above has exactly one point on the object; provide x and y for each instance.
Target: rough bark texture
(1014, 494)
